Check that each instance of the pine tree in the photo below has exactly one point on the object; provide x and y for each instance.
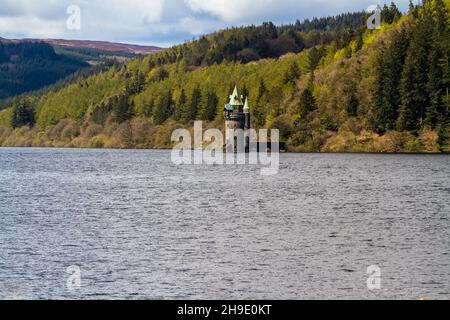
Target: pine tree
(209, 103)
(23, 115)
(386, 15)
(359, 42)
(438, 65)
(409, 114)
(314, 57)
(307, 100)
(292, 74)
(193, 106)
(414, 91)
(396, 14)
(180, 110)
(123, 109)
(261, 90)
(390, 14)
(257, 111)
(245, 92)
(149, 108)
(353, 103)
(388, 70)
(436, 89)
(164, 107)
(412, 9)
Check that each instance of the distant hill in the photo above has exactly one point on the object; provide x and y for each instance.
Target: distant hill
(27, 67)
(105, 46)
(98, 45)
(31, 64)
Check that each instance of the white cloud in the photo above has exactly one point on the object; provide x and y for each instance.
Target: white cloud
(33, 27)
(130, 11)
(230, 10)
(235, 11)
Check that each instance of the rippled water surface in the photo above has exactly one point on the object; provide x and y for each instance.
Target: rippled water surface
(139, 227)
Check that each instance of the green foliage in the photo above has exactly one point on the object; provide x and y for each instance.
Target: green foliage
(307, 102)
(164, 107)
(411, 71)
(390, 14)
(193, 106)
(27, 67)
(5, 118)
(389, 67)
(23, 114)
(80, 98)
(91, 54)
(122, 108)
(353, 104)
(247, 44)
(209, 106)
(291, 75)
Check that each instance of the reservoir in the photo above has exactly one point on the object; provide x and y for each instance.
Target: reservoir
(139, 227)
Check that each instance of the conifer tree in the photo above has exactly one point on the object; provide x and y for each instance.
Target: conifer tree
(307, 100)
(245, 92)
(414, 92)
(209, 103)
(180, 110)
(438, 66)
(123, 109)
(194, 104)
(389, 68)
(353, 103)
(22, 115)
(412, 97)
(412, 9)
(149, 108)
(292, 74)
(164, 107)
(261, 89)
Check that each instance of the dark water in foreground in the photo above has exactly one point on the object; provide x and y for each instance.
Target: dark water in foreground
(139, 227)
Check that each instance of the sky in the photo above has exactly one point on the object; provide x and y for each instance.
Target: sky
(157, 22)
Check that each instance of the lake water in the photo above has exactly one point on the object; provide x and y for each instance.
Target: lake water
(139, 227)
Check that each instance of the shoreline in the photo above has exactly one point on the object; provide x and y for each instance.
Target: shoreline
(287, 152)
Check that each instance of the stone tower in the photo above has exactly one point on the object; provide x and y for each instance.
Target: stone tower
(237, 116)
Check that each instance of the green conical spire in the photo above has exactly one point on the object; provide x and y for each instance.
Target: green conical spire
(246, 106)
(234, 98)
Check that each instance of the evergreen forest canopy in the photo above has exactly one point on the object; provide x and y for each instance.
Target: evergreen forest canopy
(328, 84)
(27, 67)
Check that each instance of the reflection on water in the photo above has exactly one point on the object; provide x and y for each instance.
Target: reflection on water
(141, 228)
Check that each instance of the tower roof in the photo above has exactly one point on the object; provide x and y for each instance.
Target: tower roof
(246, 105)
(234, 98)
(229, 107)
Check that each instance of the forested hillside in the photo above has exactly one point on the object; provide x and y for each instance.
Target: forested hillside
(328, 85)
(30, 66)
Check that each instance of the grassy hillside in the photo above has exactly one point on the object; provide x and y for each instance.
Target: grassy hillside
(335, 89)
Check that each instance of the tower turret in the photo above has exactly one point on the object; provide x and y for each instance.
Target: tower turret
(237, 115)
(247, 114)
